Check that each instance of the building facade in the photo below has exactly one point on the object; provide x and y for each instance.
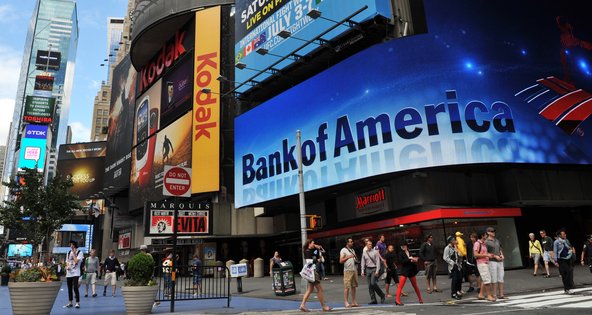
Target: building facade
(100, 120)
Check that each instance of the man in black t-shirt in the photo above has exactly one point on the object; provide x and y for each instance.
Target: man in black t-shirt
(111, 266)
(548, 256)
(587, 253)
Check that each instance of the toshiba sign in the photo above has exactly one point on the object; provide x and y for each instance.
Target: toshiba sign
(166, 57)
(206, 106)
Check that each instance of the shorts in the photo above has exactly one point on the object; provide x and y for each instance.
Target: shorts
(350, 279)
(197, 279)
(496, 270)
(483, 270)
(91, 278)
(111, 277)
(546, 256)
(430, 270)
(392, 275)
(535, 258)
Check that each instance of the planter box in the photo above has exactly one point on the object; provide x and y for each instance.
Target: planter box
(139, 300)
(30, 298)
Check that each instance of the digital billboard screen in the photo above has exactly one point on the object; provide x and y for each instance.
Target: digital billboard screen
(177, 90)
(82, 150)
(39, 109)
(32, 153)
(170, 146)
(81, 233)
(86, 174)
(121, 120)
(258, 24)
(43, 86)
(20, 250)
(48, 60)
(464, 93)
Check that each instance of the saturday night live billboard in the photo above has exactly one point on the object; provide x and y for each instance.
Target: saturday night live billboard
(259, 22)
(474, 89)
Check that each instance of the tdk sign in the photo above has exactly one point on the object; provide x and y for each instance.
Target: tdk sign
(36, 132)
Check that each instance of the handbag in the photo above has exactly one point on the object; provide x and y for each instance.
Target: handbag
(308, 272)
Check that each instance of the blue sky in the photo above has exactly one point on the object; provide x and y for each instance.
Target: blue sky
(15, 16)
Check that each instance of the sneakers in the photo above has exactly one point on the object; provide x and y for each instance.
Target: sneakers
(77, 305)
(94, 295)
(86, 295)
(69, 305)
(569, 292)
(456, 297)
(471, 289)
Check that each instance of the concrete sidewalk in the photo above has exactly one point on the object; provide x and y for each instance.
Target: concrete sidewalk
(516, 281)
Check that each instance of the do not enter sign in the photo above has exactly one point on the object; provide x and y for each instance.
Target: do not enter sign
(177, 181)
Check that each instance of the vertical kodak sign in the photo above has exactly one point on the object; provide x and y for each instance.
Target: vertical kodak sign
(206, 106)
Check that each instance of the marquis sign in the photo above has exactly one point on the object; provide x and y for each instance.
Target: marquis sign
(193, 218)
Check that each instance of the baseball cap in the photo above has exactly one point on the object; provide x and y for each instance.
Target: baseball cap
(459, 234)
(491, 229)
(450, 239)
(143, 247)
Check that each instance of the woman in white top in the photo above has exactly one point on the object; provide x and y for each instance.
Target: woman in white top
(74, 259)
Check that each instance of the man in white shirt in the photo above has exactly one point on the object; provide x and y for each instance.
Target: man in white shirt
(348, 258)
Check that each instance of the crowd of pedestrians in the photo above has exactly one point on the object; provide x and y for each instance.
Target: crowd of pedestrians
(478, 261)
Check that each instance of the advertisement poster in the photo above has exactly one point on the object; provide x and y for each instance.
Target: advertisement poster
(86, 174)
(171, 146)
(124, 239)
(147, 115)
(192, 218)
(121, 126)
(177, 90)
(82, 150)
(464, 93)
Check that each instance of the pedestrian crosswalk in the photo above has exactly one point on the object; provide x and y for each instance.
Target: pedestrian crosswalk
(582, 298)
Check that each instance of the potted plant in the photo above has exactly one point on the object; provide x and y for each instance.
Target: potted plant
(38, 282)
(5, 274)
(139, 290)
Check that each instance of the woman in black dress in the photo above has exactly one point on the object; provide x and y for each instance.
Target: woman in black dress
(408, 270)
(311, 254)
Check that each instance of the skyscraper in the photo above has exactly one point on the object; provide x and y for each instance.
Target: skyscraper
(45, 84)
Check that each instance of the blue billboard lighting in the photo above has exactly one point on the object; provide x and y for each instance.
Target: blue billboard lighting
(584, 66)
(523, 52)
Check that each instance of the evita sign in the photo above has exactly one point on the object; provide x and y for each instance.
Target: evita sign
(193, 218)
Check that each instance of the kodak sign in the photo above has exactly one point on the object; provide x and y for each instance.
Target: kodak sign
(169, 53)
(206, 106)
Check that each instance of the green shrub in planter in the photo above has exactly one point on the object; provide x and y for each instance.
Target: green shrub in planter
(36, 274)
(140, 269)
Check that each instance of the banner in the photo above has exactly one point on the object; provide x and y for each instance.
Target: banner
(193, 218)
(464, 93)
(206, 106)
(125, 239)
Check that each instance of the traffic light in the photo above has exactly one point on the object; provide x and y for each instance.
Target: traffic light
(313, 222)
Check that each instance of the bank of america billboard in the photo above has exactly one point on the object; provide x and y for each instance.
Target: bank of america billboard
(466, 92)
(258, 24)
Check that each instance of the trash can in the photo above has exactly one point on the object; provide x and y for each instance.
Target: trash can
(283, 279)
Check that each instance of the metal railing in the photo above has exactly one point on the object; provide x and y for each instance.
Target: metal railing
(213, 282)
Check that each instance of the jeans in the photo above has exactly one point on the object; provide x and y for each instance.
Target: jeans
(73, 284)
(566, 272)
(456, 283)
(321, 269)
(373, 287)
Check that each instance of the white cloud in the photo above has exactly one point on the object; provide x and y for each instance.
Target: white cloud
(6, 106)
(9, 73)
(7, 14)
(80, 132)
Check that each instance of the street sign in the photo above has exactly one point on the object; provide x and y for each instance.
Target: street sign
(238, 270)
(177, 181)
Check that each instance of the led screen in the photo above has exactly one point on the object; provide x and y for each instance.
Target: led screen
(475, 89)
(177, 89)
(258, 24)
(81, 233)
(20, 250)
(32, 154)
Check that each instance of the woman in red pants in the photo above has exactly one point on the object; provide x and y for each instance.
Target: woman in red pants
(408, 271)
